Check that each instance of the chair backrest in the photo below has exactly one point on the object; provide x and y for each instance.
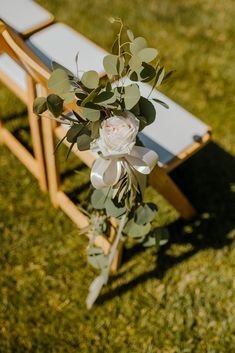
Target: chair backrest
(16, 48)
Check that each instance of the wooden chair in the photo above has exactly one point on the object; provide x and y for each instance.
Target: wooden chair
(19, 81)
(175, 135)
(24, 16)
(38, 74)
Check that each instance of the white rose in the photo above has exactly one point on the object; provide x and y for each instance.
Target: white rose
(117, 135)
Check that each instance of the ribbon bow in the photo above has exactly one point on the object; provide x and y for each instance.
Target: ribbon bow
(107, 172)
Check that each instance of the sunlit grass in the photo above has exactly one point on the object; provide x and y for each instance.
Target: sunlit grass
(178, 301)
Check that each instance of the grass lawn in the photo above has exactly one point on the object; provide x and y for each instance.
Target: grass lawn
(180, 300)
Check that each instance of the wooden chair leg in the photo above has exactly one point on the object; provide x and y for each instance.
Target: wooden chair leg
(118, 257)
(35, 129)
(51, 164)
(161, 181)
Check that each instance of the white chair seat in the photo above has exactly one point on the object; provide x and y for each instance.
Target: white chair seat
(173, 131)
(24, 15)
(61, 43)
(14, 76)
(11, 69)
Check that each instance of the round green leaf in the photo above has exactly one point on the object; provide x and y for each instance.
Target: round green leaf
(145, 213)
(110, 63)
(90, 114)
(83, 142)
(138, 44)
(131, 96)
(147, 54)
(59, 82)
(113, 210)
(68, 97)
(98, 198)
(90, 79)
(135, 62)
(73, 132)
(137, 231)
(40, 105)
(55, 104)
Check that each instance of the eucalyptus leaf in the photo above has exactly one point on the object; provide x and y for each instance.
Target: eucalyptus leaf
(56, 66)
(95, 126)
(83, 142)
(80, 95)
(147, 54)
(137, 45)
(135, 230)
(91, 96)
(90, 114)
(99, 197)
(143, 122)
(107, 97)
(130, 35)
(96, 258)
(131, 96)
(74, 132)
(90, 79)
(40, 105)
(159, 76)
(133, 76)
(68, 97)
(148, 73)
(135, 62)
(112, 210)
(110, 63)
(55, 104)
(145, 213)
(168, 75)
(147, 110)
(161, 102)
(59, 82)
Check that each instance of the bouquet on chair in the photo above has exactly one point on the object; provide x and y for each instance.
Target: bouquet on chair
(106, 115)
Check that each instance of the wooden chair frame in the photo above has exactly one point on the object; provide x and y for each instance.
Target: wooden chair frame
(36, 163)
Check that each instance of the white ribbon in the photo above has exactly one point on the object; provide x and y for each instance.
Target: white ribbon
(107, 172)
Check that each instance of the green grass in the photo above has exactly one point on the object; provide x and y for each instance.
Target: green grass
(181, 300)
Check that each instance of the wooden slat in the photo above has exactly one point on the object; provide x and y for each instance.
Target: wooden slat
(20, 151)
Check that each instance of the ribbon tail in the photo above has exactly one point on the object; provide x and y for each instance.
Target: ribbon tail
(142, 159)
(105, 172)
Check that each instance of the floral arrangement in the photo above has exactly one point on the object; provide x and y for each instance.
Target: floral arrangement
(106, 115)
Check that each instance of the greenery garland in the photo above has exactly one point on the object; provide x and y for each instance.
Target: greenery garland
(101, 108)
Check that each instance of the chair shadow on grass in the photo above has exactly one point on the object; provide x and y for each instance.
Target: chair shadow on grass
(208, 179)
